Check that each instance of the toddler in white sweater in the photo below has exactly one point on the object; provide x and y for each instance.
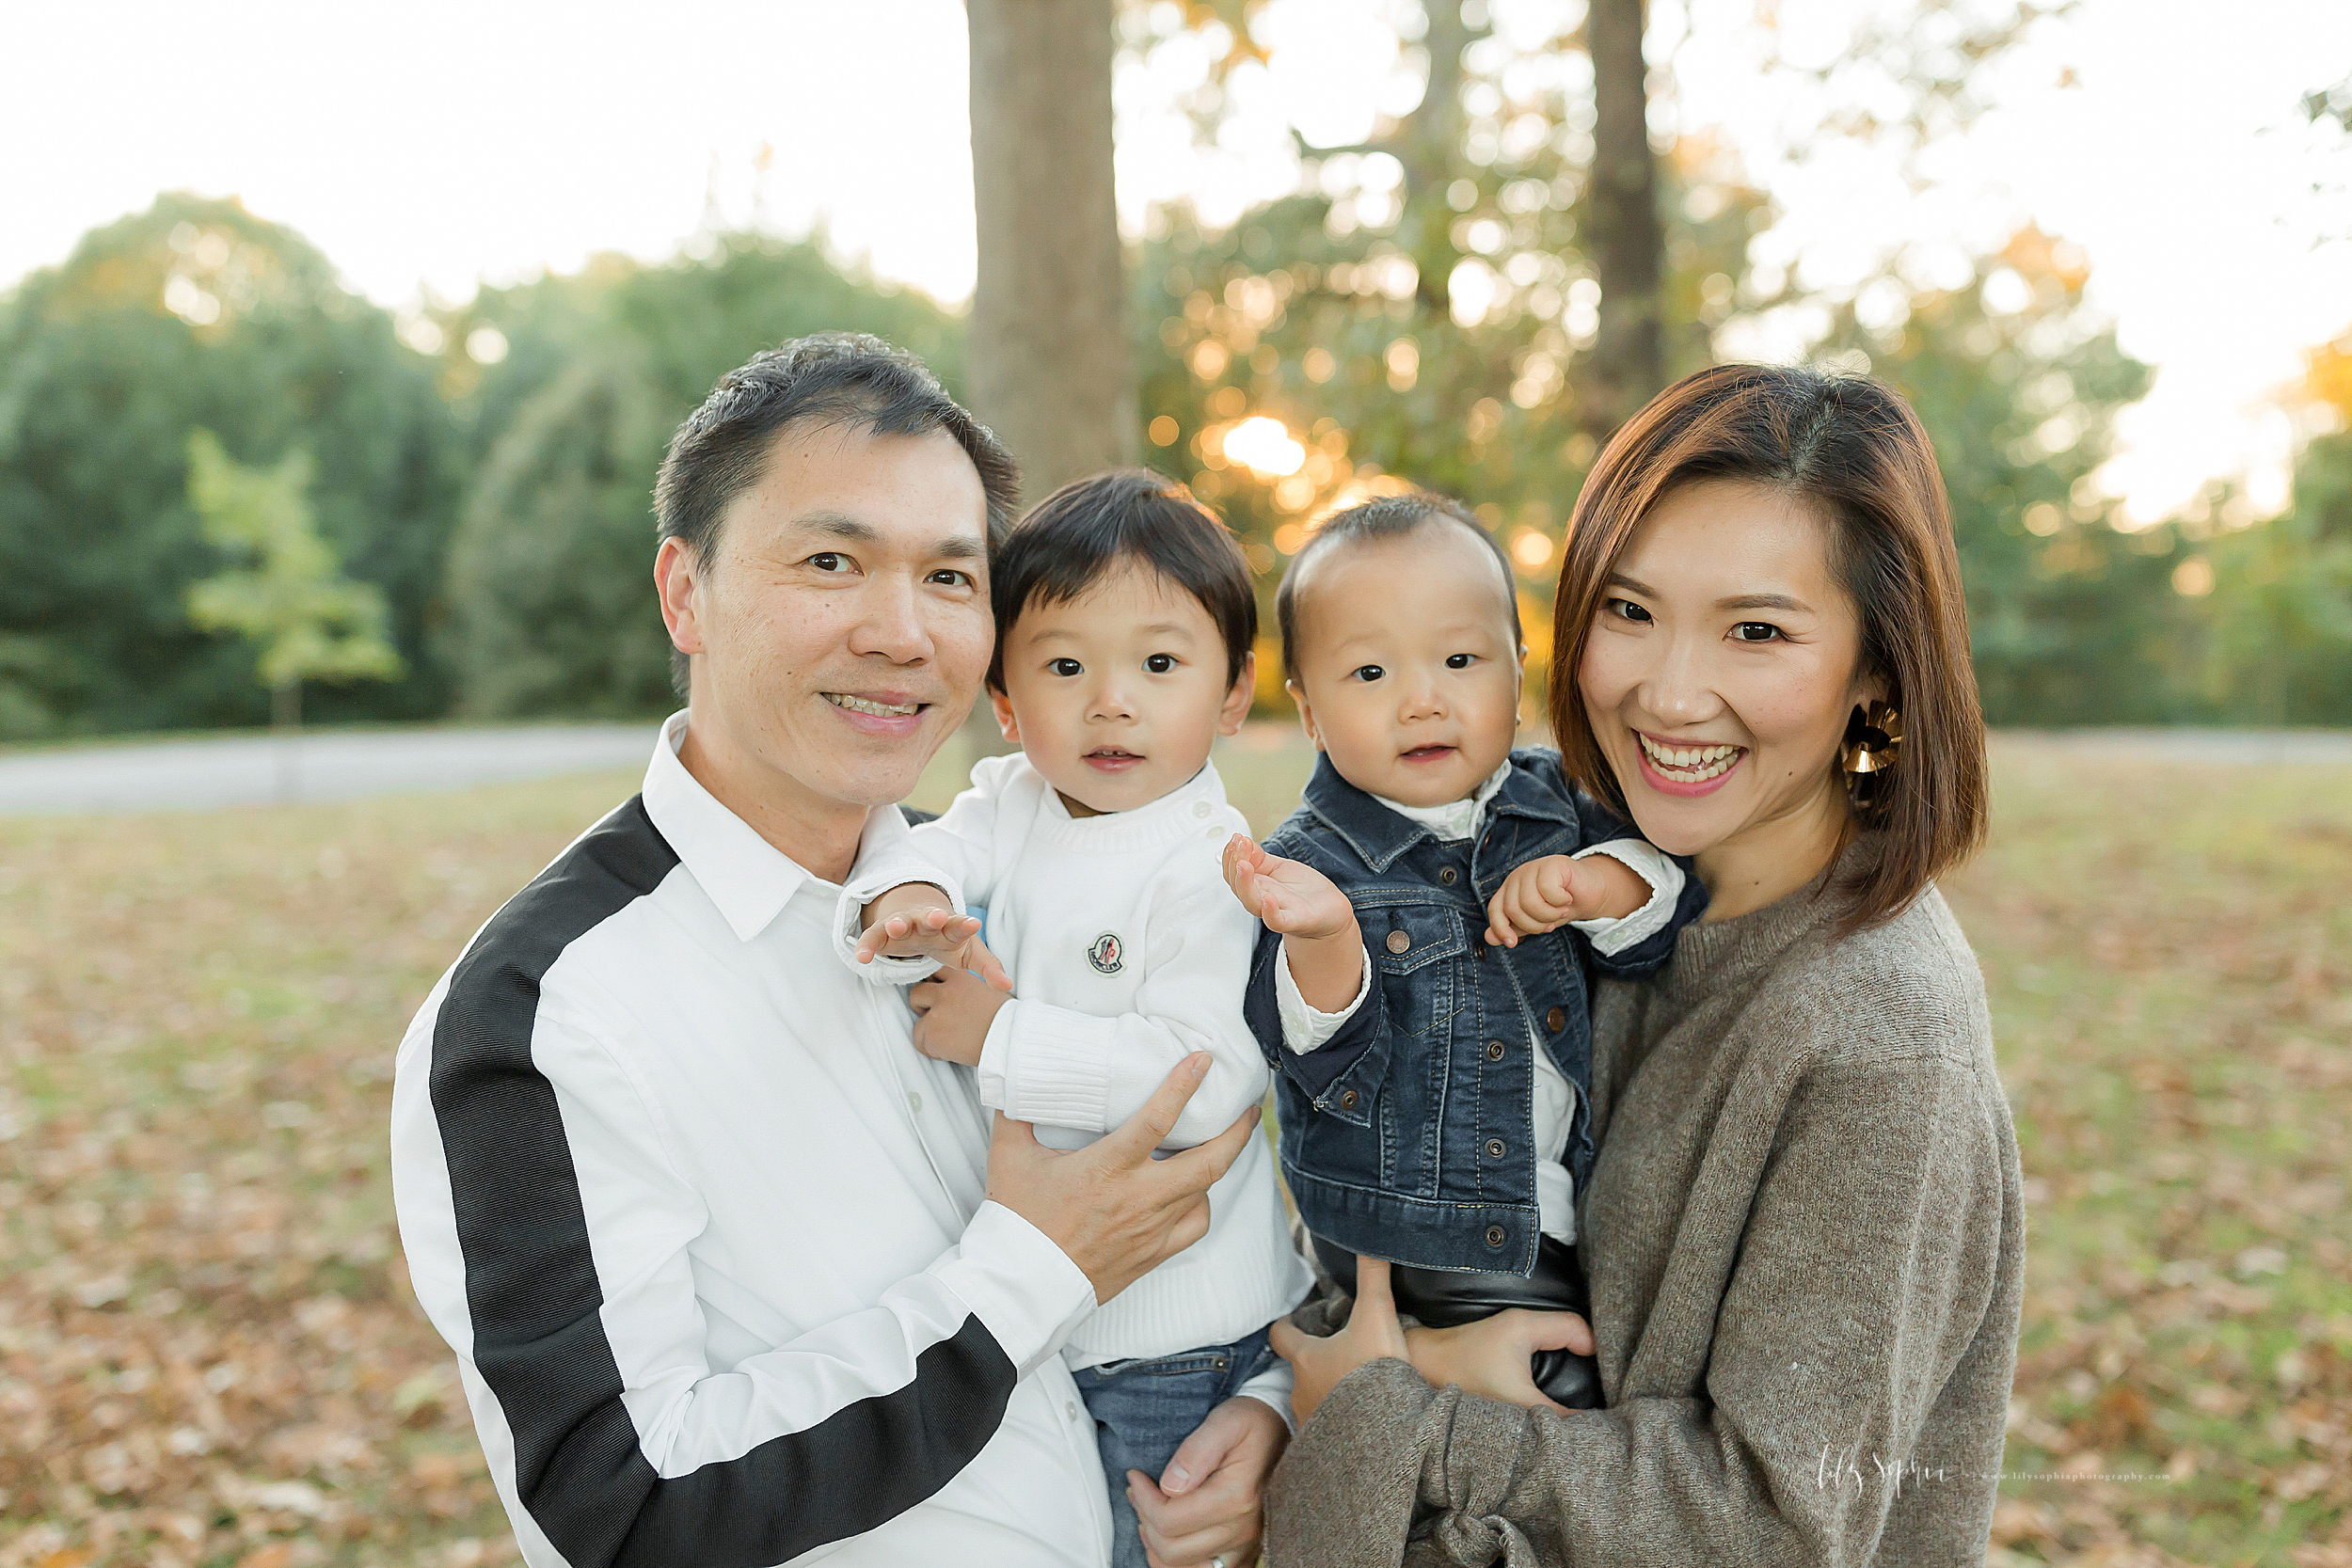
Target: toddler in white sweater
(1125, 624)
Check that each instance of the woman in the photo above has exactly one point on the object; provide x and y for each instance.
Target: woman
(1804, 1230)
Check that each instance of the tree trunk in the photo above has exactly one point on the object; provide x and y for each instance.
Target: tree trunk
(1625, 366)
(1429, 145)
(1050, 367)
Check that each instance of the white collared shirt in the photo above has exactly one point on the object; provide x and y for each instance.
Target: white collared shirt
(710, 1236)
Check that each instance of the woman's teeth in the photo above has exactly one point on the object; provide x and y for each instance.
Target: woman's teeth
(1691, 763)
(880, 711)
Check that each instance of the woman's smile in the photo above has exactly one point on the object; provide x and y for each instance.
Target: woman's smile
(1691, 768)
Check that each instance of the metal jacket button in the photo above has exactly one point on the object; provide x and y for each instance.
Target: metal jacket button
(1556, 1019)
(1399, 941)
(1348, 1100)
(1494, 1051)
(1494, 1236)
(1494, 1149)
(1447, 876)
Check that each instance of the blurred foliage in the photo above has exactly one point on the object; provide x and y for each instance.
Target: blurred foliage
(550, 575)
(290, 599)
(1422, 309)
(195, 314)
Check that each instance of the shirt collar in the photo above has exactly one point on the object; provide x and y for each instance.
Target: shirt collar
(1379, 831)
(1452, 820)
(750, 879)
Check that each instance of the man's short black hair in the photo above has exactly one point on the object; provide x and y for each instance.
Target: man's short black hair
(1078, 535)
(1389, 517)
(840, 378)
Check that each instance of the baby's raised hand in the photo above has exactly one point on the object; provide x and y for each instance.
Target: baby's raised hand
(1292, 899)
(1543, 895)
(914, 920)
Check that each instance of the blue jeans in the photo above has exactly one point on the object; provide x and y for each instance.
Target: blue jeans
(1144, 1409)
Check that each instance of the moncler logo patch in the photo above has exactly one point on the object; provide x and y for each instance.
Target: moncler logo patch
(1107, 954)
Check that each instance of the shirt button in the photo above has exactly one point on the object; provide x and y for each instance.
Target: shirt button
(1201, 808)
(1215, 834)
(1556, 1019)
(1399, 941)
(1494, 1149)
(1069, 1408)
(1494, 1236)
(1494, 1051)
(1447, 876)
(915, 1102)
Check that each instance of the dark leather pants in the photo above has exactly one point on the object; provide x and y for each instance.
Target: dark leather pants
(1445, 1298)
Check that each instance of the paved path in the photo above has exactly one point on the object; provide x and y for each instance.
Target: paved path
(2188, 745)
(247, 771)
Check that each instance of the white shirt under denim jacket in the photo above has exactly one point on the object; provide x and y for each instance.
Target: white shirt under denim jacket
(1305, 1028)
(1127, 953)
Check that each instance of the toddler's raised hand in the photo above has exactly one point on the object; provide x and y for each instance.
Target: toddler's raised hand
(1292, 899)
(914, 920)
(1543, 895)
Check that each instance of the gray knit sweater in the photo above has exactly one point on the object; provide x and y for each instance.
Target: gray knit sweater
(1806, 1242)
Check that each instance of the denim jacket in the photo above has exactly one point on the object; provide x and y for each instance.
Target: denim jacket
(1409, 1135)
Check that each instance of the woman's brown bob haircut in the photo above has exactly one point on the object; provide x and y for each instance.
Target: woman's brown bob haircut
(1851, 452)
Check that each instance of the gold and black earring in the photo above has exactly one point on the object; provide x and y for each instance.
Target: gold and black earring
(1873, 739)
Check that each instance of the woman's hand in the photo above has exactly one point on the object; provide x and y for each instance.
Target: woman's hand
(1372, 1333)
(1492, 1356)
(1209, 1503)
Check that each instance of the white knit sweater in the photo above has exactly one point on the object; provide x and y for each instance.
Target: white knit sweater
(1127, 953)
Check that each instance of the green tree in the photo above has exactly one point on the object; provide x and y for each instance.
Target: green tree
(290, 599)
(550, 573)
(192, 314)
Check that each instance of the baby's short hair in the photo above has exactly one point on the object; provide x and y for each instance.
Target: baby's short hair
(1076, 536)
(1389, 518)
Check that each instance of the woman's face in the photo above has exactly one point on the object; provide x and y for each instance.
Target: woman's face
(1721, 668)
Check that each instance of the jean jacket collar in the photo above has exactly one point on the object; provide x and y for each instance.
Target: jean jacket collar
(1379, 835)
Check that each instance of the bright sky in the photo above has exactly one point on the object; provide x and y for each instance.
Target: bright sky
(429, 145)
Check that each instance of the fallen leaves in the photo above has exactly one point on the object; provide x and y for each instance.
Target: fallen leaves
(209, 1354)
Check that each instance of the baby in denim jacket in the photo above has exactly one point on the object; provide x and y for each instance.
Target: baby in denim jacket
(1430, 915)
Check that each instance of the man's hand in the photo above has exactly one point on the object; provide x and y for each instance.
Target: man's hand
(1493, 1357)
(1321, 941)
(1113, 1208)
(1209, 1503)
(915, 920)
(1546, 893)
(1372, 1333)
(952, 1012)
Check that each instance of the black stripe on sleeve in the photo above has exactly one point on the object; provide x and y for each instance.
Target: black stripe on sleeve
(532, 1288)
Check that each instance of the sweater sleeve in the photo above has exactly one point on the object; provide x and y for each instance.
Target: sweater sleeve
(955, 852)
(1868, 1260)
(1068, 1069)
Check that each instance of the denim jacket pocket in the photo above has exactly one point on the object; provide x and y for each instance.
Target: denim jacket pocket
(1417, 953)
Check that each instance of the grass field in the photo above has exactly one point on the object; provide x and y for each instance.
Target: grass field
(208, 1353)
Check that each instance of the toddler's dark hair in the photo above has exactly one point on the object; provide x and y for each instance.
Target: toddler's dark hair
(1076, 536)
(1389, 517)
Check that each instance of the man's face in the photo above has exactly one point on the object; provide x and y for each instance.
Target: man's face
(840, 629)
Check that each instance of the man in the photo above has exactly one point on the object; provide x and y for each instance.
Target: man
(735, 1276)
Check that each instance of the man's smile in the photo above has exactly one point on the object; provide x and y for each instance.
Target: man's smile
(881, 707)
